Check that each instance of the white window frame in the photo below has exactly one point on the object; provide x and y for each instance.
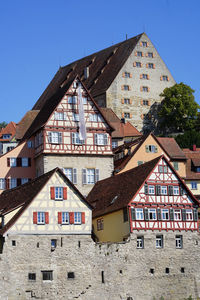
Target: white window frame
(77, 218)
(101, 139)
(2, 183)
(159, 241)
(24, 161)
(175, 190)
(127, 115)
(90, 176)
(189, 214)
(139, 214)
(72, 99)
(150, 54)
(59, 116)
(165, 78)
(127, 101)
(165, 214)
(58, 193)
(40, 217)
(71, 174)
(145, 89)
(13, 183)
(126, 87)
(87, 175)
(55, 137)
(144, 44)
(139, 53)
(140, 242)
(179, 241)
(75, 117)
(114, 144)
(163, 190)
(152, 214)
(177, 215)
(65, 217)
(151, 189)
(13, 161)
(76, 140)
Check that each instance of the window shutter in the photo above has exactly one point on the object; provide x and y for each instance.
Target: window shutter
(147, 44)
(146, 188)
(131, 75)
(8, 162)
(159, 214)
(156, 149)
(122, 115)
(154, 66)
(59, 217)
(19, 161)
(71, 218)
(131, 101)
(7, 183)
(19, 181)
(170, 190)
(131, 115)
(96, 175)
(122, 101)
(133, 217)
(52, 189)
(84, 176)
(141, 102)
(60, 137)
(184, 214)
(146, 215)
(65, 193)
(167, 78)
(158, 189)
(195, 212)
(141, 89)
(73, 138)
(181, 191)
(147, 65)
(142, 54)
(74, 176)
(83, 217)
(34, 217)
(49, 137)
(147, 148)
(95, 139)
(171, 212)
(105, 139)
(134, 64)
(29, 161)
(161, 78)
(122, 87)
(135, 53)
(46, 217)
(149, 104)
(141, 44)
(147, 76)
(141, 76)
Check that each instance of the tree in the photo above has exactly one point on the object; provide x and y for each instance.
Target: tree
(178, 111)
(3, 124)
(188, 139)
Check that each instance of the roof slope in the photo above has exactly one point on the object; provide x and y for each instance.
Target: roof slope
(121, 129)
(9, 129)
(193, 157)
(171, 147)
(25, 123)
(103, 68)
(119, 189)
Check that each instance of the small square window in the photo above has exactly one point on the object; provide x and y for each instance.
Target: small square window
(13, 243)
(167, 270)
(151, 271)
(145, 88)
(140, 242)
(139, 53)
(138, 64)
(145, 102)
(159, 241)
(32, 276)
(145, 76)
(47, 275)
(70, 275)
(99, 224)
(165, 78)
(127, 75)
(175, 165)
(144, 44)
(193, 185)
(126, 87)
(182, 270)
(150, 66)
(179, 241)
(127, 115)
(150, 54)
(126, 101)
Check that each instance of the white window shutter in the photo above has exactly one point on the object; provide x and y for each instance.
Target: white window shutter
(105, 139)
(59, 137)
(73, 138)
(74, 176)
(96, 139)
(96, 175)
(84, 176)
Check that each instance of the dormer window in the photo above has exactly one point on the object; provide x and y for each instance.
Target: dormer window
(6, 136)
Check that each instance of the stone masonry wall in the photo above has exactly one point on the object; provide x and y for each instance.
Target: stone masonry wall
(117, 271)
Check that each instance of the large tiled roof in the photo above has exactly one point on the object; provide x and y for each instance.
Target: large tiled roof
(193, 157)
(103, 68)
(116, 192)
(25, 123)
(171, 147)
(9, 129)
(121, 129)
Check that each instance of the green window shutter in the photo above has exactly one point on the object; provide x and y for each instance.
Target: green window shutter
(181, 191)
(105, 139)
(159, 214)
(133, 217)
(96, 175)
(195, 212)
(147, 148)
(74, 176)
(158, 189)
(146, 214)
(156, 149)
(170, 190)
(184, 214)
(171, 212)
(146, 188)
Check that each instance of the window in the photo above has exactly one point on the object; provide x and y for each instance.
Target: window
(151, 189)
(6, 136)
(41, 218)
(77, 218)
(126, 87)
(10, 148)
(90, 176)
(70, 275)
(179, 241)
(167, 270)
(24, 161)
(150, 66)
(30, 144)
(114, 144)
(99, 224)
(140, 242)
(197, 169)
(145, 102)
(165, 78)
(177, 214)
(175, 190)
(162, 169)
(13, 243)
(94, 117)
(24, 180)
(140, 162)
(64, 218)
(76, 140)
(47, 275)
(54, 137)
(127, 75)
(53, 244)
(165, 214)
(159, 241)
(58, 193)
(12, 183)
(144, 44)
(175, 164)
(152, 214)
(101, 139)
(145, 89)
(139, 214)
(72, 99)
(144, 76)
(151, 148)
(71, 174)
(75, 117)
(139, 53)
(163, 190)
(13, 162)
(127, 115)
(2, 183)
(59, 115)
(127, 101)
(32, 276)
(138, 64)
(193, 185)
(189, 215)
(150, 54)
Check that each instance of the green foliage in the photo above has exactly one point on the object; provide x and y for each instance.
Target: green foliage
(3, 124)
(178, 111)
(188, 139)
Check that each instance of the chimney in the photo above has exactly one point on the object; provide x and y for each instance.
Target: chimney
(194, 148)
(123, 121)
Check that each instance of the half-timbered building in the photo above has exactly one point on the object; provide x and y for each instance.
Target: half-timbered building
(70, 132)
(151, 197)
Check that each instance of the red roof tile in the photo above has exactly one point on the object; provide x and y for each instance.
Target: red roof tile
(171, 147)
(9, 129)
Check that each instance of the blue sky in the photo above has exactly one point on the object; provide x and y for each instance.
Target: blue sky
(38, 36)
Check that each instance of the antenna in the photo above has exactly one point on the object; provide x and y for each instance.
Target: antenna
(126, 36)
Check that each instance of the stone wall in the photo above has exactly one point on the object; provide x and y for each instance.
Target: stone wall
(102, 271)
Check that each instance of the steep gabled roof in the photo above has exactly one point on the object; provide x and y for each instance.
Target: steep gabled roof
(121, 129)
(103, 68)
(22, 196)
(116, 192)
(9, 129)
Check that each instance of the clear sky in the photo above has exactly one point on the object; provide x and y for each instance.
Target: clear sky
(38, 36)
